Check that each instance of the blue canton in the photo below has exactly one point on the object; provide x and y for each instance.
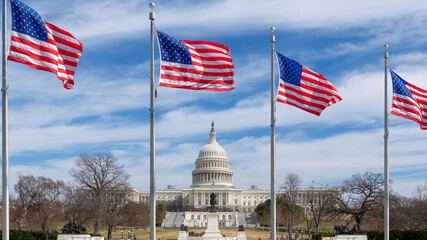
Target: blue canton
(399, 85)
(173, 50)
(27, 21)
(290, 71)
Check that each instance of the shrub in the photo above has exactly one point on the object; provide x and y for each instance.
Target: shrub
(29, 235)
(318, 236)
(394, 235)
(399, 235)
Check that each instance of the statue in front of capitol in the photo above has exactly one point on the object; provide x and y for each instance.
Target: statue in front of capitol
(212, 202)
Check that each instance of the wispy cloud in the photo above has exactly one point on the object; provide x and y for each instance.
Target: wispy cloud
(106, 18)
(108, 110)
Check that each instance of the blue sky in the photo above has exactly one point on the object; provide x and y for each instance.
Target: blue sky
(108, 109)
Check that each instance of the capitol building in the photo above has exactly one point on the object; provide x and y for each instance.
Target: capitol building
(212, 173)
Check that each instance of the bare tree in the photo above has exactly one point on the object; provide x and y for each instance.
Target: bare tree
(319, 202)
(39, 202)
(420, 205)
(421, 192)
(99, 175)
(48, 203)
(114, 209)
(359, 195)
(136, 214)
(290, 187)
(403, 214)
(25, 188)
(79, 207)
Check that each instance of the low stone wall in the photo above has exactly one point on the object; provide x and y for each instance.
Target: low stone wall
(78, 237)
(346, 237)
(183, 235)
(221, 238)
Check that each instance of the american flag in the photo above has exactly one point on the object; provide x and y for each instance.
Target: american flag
(43, 46)
(303, 88)
(409, 101)
(196, 65)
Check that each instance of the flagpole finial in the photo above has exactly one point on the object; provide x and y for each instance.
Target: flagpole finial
(272, 38)
(385, 53)
(152, 5)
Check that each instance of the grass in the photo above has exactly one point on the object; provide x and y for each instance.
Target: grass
(161, 233)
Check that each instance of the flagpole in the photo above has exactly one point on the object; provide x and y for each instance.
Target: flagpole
(5, 132)
(386, 133)
(152, 134)
(273, 143)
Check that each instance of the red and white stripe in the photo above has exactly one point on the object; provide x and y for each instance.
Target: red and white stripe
(314, 94)
(212, 68)
(411, 108)
(59, 54)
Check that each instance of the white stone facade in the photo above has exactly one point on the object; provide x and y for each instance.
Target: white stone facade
(212, 173)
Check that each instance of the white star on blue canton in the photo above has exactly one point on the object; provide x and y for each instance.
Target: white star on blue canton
(173, 50)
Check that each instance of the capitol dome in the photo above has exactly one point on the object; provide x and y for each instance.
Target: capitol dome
(212, 165)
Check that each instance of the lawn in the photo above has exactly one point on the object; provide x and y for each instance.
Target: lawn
(173, 233)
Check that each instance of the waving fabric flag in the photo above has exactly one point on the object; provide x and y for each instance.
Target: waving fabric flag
(43, 46)
(196, 65)
(409, 101)
(303, 88)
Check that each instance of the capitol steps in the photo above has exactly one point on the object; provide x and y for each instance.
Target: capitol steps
(250, 220)
(179, 219)
(169, 220)
(247, 220)
(241, 219)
